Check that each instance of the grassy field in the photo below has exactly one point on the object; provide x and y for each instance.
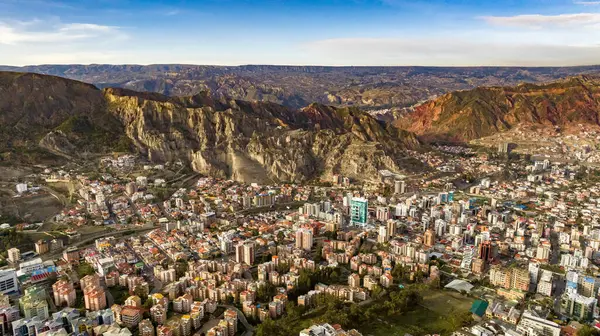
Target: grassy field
(446, 302)
(435, 316)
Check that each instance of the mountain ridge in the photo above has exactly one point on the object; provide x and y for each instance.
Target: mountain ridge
(472, 114)
(370, 88)
(245, 140)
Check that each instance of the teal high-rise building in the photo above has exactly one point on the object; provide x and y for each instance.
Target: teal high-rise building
(359, 211)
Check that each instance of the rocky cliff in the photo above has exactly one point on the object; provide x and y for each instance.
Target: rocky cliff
(467, 115)
(258, 141)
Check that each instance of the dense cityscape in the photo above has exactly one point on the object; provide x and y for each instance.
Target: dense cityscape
(299, 168)
(506, 245)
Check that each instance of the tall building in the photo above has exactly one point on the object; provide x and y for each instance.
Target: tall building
(146, 328)
(588, 286)
(304, 239)
(486, 251)
(158, 313)
(429, 238)
(42, 247)
(359, 211)
(520, 279)
(383, 214)
(94, 298)
(33, 303)
(399, 187)
(64, 293)
(71, 255)
(14, 255)
(131, 316)
(578, 306)
(392, 228)
(244, 252)
(510, 278)
(8, 281)
(382, 234)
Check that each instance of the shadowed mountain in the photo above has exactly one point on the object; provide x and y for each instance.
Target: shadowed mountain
(244, 140)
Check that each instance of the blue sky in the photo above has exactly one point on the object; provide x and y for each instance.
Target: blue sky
(324, 32)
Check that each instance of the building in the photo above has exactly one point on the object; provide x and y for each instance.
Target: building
(588, 286)
(158, 313)
(42, 247)
(382, 214)
(131, 316)
(478, 266)
(354, 280)
(486, 251)
(64, 293)
(14, 255)
(382, 234)
(8, 281)
(359, 211)
(327, 330)
(510, 278)
(71, 255)
(244, 253)
(94, 298)
(33, 303)
(183, 304)
(520, 279)
(134, 301)
(429, 238)
(89, 281)
(146, 328)
(304, 239)
(392, 228)
(547, 283)
(399, 187)
(578, 306)
(532, 325)
(27, 326)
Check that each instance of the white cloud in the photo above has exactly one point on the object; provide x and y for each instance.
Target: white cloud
(36, 31)
(461, 51)
(587, 3)
(541, 21)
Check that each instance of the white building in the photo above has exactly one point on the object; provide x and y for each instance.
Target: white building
(531, 325)
(8, 281)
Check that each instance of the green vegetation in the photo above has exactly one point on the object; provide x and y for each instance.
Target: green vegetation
(415, 310)
(119, 294)
(85, 269)
(10, 238)
(553, 268)
(83, 132)
(586, 330)
(329, 309)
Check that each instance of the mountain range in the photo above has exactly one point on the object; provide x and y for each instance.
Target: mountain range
(375, 89)
(45, 118)
(472, 114)
(250, 141)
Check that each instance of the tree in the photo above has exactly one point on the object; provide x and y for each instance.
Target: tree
(586, 330)
(85, 269)
(181, 266)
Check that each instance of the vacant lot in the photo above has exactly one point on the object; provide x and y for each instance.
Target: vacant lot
(446, 302)
(437, 315)
(30, 208)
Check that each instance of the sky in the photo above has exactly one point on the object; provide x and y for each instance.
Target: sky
(294, 32)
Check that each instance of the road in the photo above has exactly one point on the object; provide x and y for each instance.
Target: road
(92, 239)
(242, 318)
